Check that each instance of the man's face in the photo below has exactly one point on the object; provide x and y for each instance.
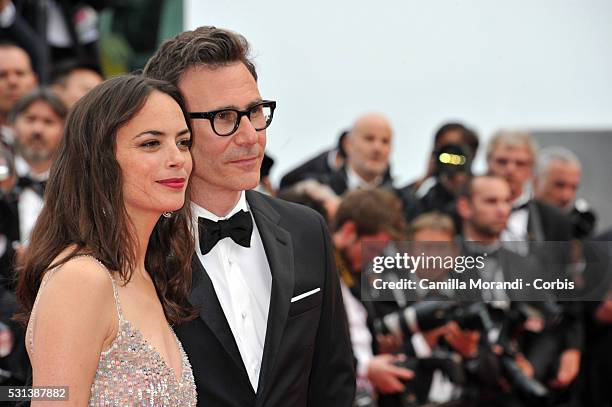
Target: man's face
(231, 163)
(78, 83)
(368, 147)
(490, 206)
(16, 76)
(38, 131)
(433, 242)
(450, 137)
(354, 253)
(514, 163)
(557, 186)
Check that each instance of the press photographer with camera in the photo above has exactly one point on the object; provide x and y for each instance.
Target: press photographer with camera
(374, 216)
(496, 371)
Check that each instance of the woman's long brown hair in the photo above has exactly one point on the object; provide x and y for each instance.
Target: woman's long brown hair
(84, 205)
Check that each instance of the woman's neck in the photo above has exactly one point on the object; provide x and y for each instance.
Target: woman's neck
(143, 223)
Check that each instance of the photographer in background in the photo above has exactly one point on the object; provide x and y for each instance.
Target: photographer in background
(485, 207)
(451, 172)
(373, 216)
(556, 354)
(448, 133)
(557, 178)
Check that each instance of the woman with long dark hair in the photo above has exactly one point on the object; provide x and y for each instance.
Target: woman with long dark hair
(114, 207)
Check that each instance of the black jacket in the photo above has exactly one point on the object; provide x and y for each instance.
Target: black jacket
(307, 358)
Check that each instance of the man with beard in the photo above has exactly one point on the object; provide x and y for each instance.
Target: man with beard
(485, 207)
(38, 123)
(512, 155)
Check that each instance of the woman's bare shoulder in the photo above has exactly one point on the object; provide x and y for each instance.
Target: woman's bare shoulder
(80, 269)
(80, 285)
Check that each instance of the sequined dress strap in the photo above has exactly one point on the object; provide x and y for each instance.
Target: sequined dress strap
(44, 282)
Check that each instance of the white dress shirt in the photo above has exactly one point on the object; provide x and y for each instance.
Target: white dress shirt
(361, 338)
(516, 228)
(354, 181)
(242, 280)
(30, 203)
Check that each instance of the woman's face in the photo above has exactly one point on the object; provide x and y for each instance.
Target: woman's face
(153, 153)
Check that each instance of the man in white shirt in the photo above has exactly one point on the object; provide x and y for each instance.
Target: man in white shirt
(375, 216)
(368, 148)
(38, 123)
(272, 329)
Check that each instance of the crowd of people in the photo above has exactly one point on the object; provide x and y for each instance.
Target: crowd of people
(526, 194)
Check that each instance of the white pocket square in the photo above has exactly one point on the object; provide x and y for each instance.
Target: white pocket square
(306, 294)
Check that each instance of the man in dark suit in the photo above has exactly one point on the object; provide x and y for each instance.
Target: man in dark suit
(322, 165)
(272, 329)
(512, 155)
(484, 208)
(368, 149)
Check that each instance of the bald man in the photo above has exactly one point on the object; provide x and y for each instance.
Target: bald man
(368, 147)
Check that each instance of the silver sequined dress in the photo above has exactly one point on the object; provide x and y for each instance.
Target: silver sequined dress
(131, 372)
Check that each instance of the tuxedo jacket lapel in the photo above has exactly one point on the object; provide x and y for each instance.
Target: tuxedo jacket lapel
(279, 252)
(203, 297)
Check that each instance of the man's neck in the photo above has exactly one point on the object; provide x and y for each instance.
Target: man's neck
(39, 168)
(473, 235)
(368, 179)
(214, 199)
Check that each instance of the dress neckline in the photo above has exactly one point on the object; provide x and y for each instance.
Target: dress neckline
(148, 344)
(152, 349)
(121, 321)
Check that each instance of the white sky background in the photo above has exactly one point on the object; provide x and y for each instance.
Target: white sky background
(544, 64)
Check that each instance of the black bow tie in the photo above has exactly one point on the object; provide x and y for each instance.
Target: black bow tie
(238, 227)
(36, 185)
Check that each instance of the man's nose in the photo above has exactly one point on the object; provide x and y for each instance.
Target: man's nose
(503, 208)
(246, 133)
(13, 80)
(38, 127)
(567, 195)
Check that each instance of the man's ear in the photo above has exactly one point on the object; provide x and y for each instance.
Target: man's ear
(346, 235)
(347, 144)
(464, 208)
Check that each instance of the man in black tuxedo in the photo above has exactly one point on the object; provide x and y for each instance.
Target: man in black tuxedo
(272, 329)
(512, 155)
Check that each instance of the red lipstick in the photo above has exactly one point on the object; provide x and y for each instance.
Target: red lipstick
(174, 183)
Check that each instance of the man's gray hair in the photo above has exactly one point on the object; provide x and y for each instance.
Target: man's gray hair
(552, 154)
(513, 138)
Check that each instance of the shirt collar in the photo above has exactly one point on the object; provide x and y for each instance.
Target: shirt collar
(354, 181)
(200, 212)
(525, 197)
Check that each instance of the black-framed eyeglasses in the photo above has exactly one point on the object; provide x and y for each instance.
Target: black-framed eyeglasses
(225, 122)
